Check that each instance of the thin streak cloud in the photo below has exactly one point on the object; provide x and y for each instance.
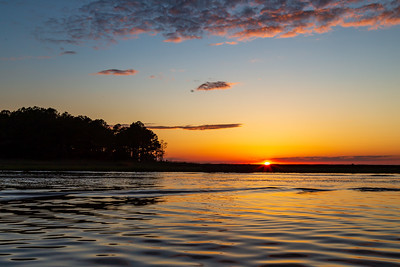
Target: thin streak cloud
(338, 159)
(224, 43)
(198, 127)
(117, 72)
(237, 20)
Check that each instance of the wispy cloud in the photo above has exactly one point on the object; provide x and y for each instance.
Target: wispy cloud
(69, 52)
(198, 127)
(238, 20)
(207, 86)
(162, 76)
(223, 43)
(159, 76)
(117, 72)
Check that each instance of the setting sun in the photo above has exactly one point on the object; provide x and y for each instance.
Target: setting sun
(267, 163)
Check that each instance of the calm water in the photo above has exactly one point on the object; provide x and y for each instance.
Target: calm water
(198, 219)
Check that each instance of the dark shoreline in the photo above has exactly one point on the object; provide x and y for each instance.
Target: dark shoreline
(98, 165)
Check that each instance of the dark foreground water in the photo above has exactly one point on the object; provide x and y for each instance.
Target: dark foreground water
(198, 219)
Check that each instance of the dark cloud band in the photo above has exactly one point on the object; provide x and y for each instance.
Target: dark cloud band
(68, 53)
(239, 20)
(117, 72)
(198, 128)
(338, 159)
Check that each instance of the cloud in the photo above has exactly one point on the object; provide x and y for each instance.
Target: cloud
(340, 159)
(207, 86)
(228, 43)
(217, 44)
(237, 20)
(159, 76)
(162, 76)
(68, 53)
(117, 72)
(198, 127)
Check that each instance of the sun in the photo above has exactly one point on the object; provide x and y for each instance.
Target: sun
(267, 163)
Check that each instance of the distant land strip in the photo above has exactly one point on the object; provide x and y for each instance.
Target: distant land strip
(114, 165)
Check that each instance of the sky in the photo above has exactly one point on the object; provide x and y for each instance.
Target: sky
(220, 81)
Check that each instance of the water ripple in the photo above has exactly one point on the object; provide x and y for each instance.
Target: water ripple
(170, 219)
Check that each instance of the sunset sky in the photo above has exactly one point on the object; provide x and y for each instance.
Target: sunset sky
(230, 81)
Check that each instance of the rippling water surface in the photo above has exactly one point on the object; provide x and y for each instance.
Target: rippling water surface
(198, 219)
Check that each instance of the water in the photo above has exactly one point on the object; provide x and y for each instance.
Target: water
(198, 219)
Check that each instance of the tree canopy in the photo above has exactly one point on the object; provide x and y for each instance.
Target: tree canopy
(36, 132)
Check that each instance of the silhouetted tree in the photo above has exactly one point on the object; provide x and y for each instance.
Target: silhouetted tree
(44, 133)
(137, 142)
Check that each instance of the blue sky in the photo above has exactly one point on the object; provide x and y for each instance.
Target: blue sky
(329, 89)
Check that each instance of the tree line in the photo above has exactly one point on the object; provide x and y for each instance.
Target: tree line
(44, 133)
